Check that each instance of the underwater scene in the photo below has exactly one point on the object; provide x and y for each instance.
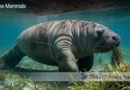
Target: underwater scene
(12, 23)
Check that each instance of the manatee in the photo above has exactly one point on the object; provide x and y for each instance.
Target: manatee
(68, 44)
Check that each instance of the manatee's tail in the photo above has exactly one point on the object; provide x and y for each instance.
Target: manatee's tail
(11, 58)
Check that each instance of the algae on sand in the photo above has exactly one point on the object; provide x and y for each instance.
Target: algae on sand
(12, 81)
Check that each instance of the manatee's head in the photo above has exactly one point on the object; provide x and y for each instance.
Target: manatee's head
(102, 39)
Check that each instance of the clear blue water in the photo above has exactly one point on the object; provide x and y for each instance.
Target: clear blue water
(13, 23)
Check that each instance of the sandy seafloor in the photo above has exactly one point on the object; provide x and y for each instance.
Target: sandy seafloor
(12, 24)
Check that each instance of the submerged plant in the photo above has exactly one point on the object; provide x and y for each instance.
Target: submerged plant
(122, 67)
(116, 57)
(106, 85)
(88, 85)
(12, 81)
(117, 65)
(119, 85)
(15, 82)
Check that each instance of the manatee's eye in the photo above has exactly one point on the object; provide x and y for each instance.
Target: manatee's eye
(100, 33)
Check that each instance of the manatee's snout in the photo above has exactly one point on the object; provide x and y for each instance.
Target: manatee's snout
(112, 42)
(109, 42)
(116, 40)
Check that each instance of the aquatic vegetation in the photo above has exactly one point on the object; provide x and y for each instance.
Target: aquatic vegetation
(105, 85)
(12, 81)
(117, 65)
(116, 57)
(121, 85)
(87, 85)
(122, 67)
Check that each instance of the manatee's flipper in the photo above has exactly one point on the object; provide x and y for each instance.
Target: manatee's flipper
(85, 63)
(66, 61)
(11, 58)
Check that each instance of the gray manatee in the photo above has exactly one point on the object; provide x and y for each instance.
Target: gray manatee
(60, 43)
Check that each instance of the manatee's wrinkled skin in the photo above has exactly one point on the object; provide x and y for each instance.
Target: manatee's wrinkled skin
(60, 43)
